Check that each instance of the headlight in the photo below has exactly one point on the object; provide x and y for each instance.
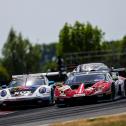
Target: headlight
(3, 93)
(42, 90)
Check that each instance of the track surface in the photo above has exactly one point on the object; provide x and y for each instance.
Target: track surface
(46, 115)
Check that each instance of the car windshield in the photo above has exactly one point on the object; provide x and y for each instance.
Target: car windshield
(35, 81)
(17, 82)
(85, 78)
(27, 82)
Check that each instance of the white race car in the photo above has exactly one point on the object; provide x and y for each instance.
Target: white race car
(27, 90)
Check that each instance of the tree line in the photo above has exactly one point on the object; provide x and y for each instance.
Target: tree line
(20, 56)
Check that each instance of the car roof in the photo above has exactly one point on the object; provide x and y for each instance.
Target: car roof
(24, 76)
(91, 67)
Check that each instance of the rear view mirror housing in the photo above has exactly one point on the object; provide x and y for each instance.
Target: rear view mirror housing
(51, 82)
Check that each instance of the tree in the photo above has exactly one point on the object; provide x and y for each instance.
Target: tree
(79, 37)
(65, 44)
(4, 76)
(48, 57)
(33, 58)
(8, 51)
(123, 52)
(20, 56)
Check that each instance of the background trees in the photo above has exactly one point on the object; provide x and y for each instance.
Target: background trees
(79, 37)
(20, 56)
(123, 52)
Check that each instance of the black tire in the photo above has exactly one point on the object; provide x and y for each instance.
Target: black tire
(3, 106)
(61, 105)
(125, 88)
(52, 101)
(112, 96)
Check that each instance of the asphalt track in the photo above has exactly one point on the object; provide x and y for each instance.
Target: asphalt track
(51, 114)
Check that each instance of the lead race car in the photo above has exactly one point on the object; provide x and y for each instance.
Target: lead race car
(27, 90)
(90, 86)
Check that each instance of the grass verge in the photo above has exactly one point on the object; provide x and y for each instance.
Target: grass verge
(113, 120)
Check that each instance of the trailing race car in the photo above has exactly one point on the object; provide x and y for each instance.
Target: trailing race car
(84, 86)
(27, 90)
(99, 67)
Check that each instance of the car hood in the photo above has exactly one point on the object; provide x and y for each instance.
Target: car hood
(22, 90)
(91, 89)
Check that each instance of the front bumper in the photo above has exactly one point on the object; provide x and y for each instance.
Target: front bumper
(82, 99)
(25, 101)
(75, 100)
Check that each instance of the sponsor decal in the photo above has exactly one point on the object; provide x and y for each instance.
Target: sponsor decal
(21, 91)
(79, 95)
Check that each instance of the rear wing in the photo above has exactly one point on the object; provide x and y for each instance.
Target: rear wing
(56, 76)
(53, 76)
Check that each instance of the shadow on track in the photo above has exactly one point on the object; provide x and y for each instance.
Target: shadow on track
(87, 102)
(21, 107)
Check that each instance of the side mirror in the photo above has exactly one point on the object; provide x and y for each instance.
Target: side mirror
(4, 86)
(51, 82)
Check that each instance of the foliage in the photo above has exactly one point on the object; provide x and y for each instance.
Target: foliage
(112, 50)
(48, 52)
(50, 66)
(48, 59)
(79, 37)
(123, 52)
(20, 56)
(4, 76)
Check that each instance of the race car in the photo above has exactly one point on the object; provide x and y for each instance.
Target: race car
(86, 86)
(99, 67)
(27, 90)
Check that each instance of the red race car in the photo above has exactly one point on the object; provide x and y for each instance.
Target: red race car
(83, 86)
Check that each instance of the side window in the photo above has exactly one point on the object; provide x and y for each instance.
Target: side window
(108, 77)
(46, 81)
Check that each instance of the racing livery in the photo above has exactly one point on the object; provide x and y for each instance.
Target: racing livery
(86, 85)
(27, 89)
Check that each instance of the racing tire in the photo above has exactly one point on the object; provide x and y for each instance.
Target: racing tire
(125, 88)
(61, 105)
(3, 106)
(112, 96)
(52, 99)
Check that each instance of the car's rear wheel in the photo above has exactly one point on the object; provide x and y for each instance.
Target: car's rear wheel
(60, 104)
(52, 99)
(125, 88)
(112, 95)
